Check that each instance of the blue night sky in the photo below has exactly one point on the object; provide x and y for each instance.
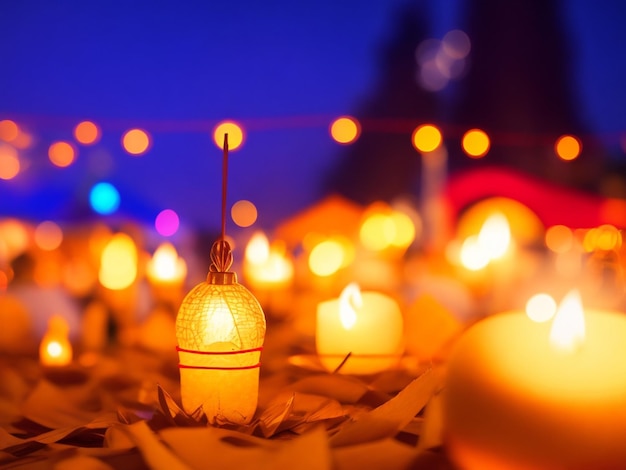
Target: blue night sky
(284, 69)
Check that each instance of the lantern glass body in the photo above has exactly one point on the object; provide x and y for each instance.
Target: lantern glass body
(220, 330)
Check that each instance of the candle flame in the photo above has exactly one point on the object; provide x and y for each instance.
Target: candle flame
(350, 301)
(495, 235)
(166, 265)
(54, 348)
(568, 328)
(258, 248)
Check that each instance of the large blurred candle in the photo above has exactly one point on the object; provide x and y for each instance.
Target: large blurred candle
(55, 348)
(526, 395)
(367, 325)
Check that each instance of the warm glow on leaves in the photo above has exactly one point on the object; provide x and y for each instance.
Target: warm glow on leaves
(567, 147)
(61, 154)
(235, 135)
(426, 138)
(475, 143)
(136, 141)
(345, 129)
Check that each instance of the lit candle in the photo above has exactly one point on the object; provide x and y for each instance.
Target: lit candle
(55, 348)
(367, 325)
(269, 273)
(166, 272)
(526, 395)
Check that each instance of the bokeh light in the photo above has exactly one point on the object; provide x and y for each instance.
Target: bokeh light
(14, 236)
(345, 129)
(61, 154)
(326, 258)
(377, 231)
(234, 131)
(559, 238)
(604, 238)
(473, 255)
(48, 235)
(426, 138)
(167, 222)
(475, 143)
(541, 307)
(456, 44)
(244, 213)
(9, 162)
(9, 130)
(404, 233)
(104, 198)
(86, 133)
(136, 141)
(118, 266)
(567, 147)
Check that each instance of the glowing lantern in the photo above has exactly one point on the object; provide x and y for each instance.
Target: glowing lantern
(366, 326)
(220, 329)
(55, 348)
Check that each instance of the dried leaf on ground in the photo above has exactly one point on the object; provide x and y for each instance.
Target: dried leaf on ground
(389, 418)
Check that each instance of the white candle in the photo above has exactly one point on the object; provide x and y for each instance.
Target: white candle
(368, 326)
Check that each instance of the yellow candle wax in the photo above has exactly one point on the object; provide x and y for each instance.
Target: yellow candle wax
(526, 395)
(368, 326)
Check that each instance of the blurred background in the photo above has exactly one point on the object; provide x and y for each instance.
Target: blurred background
(524, 72)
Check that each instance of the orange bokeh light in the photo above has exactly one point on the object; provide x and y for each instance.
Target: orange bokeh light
(234, 131)
(559, 238)
(567, 147)
(87, 133)
(9, 162)
(9, 131)
(136, 141)
(243, 213)
(476, 143)
(426, 138)
(61, 154)
(345, 130)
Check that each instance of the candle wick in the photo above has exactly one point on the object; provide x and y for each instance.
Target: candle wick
(342, 363)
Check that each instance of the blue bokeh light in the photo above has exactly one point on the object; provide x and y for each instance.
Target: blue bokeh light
(104, 198)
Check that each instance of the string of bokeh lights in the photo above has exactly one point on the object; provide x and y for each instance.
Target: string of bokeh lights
(104, 198)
